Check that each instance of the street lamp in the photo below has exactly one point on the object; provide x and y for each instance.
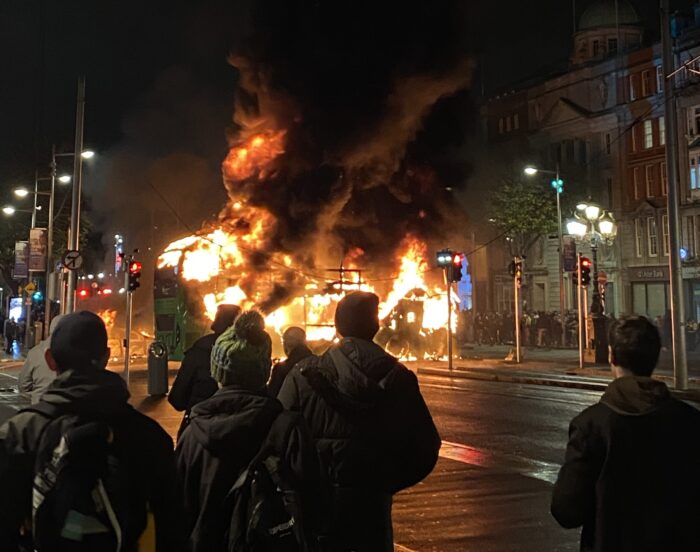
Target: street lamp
(9, 210)
(596, 226)
(64, 178)
(558, 186)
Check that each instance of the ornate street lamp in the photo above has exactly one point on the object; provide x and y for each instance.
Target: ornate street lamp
(594, 225)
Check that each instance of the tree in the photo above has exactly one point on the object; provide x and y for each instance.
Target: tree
(523, 209)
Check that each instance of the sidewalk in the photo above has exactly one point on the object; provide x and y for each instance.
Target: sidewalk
(556, 367)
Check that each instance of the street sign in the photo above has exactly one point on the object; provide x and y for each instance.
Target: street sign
(30, 288)
(569, 253)
(21, 257)
(72, 259)
(37, 249)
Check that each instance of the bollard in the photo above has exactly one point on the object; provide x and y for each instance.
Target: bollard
(157, 369)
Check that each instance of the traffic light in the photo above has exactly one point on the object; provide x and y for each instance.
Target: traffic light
(444, 258)
(518, 272)
(585, 271)
(134, 279)
(456, 271)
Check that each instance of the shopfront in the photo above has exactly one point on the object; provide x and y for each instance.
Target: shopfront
(691, 280)
(650, 290)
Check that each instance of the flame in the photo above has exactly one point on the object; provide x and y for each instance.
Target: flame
(109, 317)
(254, 156)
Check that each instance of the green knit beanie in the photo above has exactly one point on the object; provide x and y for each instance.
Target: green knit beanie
(242, 355)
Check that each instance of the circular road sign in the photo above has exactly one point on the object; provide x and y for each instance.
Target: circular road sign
(72, 259)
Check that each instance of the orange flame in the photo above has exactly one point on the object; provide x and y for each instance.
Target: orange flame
(255, 156)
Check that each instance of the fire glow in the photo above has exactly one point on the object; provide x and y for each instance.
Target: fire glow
(220, 262)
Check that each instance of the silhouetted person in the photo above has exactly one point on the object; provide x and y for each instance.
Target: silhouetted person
(82, 418)
(630, 474)
(193, 382)
(372, 429)
(296, 349)
(10, 333)
(36, 375)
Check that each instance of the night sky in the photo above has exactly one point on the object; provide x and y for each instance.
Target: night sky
(158, 83)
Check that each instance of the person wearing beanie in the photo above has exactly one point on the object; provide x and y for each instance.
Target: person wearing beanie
(227, 430)
(36, 375)
(193, 382)
(371, 426)
(84, 395)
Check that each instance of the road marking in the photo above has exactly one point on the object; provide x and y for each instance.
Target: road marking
(529, 467)
(401, 548)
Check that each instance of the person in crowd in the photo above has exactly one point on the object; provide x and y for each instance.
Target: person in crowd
(145, 481)
(296, 349)
(36, 375)
(10, 333)
(372, 428)
(630, 474)
(228, 429)
(193, 382)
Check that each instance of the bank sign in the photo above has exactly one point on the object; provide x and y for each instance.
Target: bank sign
(648, 274)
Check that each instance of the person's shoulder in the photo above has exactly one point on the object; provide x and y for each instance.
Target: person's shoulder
(21, 432)
(146, 430)
(593, 415)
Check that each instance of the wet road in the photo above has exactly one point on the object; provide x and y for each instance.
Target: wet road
(502, 445)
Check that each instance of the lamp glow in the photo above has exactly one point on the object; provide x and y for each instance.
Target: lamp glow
(21, 192)
(64, 178)
(530, 171)
(592, 212)
(87, 154)
(576, 228)
(8, 210)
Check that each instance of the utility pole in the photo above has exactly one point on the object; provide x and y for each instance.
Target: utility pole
(580, 308)
(560, 263)
(74, 242)
(49, 246)
(127, 325)
(680, 361)
(449, 323)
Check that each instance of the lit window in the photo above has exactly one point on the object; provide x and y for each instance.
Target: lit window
(638, 237)
(648, 134)
(636, 176)
(664, 180)
(652, 238)
(646, 83)
(649, 179)
(662, 131)
(664, 233)
(659, 79)
(694, 180)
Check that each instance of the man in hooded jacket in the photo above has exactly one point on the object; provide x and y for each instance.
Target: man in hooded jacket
(630, 474)
(372, 428)
(193, 382)
(36, 375)
(228, 429)
(78, 352)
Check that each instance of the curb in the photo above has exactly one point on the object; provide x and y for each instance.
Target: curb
(543, 379)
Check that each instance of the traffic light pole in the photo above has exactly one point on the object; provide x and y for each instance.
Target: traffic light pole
(449, 322)
(127, 328)
(516, 300)
(579, 308)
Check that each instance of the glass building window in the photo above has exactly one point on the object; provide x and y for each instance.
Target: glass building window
(652, 237)
(648, 134)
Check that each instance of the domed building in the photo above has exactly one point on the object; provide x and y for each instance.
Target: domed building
(606, 27)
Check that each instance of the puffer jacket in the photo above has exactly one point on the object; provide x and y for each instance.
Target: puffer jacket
(225, 433)
(630, 475)
(145, 452)
(373, 432)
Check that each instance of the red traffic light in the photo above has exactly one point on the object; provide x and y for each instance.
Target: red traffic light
(83, 293)
(135, 266)
(457, 259)
(585, 263)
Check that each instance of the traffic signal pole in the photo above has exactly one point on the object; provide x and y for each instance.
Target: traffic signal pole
(449, 322)
(579, 308)
(127, 327)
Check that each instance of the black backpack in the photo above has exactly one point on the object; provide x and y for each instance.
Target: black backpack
(265, 506)
(78, 494)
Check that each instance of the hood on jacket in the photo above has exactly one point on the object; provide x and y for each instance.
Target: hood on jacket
(232, 418)
(88, 391)
(635, 395)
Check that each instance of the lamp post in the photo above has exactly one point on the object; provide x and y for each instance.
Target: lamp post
(595, 226)
(558, 186)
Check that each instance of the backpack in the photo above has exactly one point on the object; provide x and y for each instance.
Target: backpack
(77, 496)
(265, 506)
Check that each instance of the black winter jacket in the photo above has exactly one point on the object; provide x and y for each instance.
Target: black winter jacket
(281, 369)
(373, 431)
(630, 476)
(146, 452)
(225, 433)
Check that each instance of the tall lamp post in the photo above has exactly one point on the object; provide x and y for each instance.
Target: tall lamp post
(596, 226)
(558, 186)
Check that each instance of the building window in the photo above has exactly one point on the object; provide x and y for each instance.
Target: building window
(516, 121)
(694, 176)
(664, 233)
(508, 123)
(633, 137)
(664, 179)
(648, 134)
(596, 48)
(633, 88)
(608, 143)
(646, 83)
(636, 176)
(659, 79)
(649, 180)
(691, 235)
(693, 120)
(638, 237)
(662, 130)
(612, 45)
(500, 125)
(652, 238)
